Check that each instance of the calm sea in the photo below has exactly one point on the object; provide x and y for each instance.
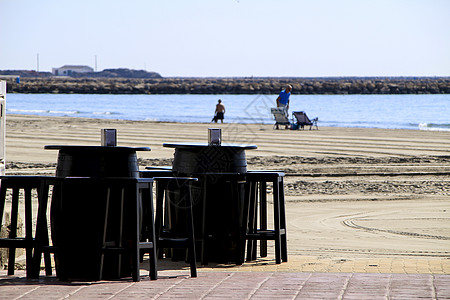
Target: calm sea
(421, 112)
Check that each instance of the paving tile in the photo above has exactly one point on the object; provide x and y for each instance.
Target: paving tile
(300, 278)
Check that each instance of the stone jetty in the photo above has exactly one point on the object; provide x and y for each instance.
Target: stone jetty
(240, 85)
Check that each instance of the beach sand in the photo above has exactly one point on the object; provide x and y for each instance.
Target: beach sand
(352, 193)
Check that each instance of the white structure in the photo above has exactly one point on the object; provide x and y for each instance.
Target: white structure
(67, 70)
(2, 125)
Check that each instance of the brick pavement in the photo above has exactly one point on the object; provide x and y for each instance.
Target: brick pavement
(237, 285)
(387, 278)
(300, 263)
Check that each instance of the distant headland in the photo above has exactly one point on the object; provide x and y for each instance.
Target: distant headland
(126, 81)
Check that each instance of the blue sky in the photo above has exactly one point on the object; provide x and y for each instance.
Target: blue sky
(230, 37)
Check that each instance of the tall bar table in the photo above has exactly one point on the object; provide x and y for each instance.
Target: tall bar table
(212, 164)
(77, 219)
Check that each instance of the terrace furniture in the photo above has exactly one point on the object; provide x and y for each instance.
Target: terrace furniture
(218, 195)
(220, 237)
(94, 162)
(175, 191)
(134, 193)
(257, 204)
(104, 241)
(27, 184)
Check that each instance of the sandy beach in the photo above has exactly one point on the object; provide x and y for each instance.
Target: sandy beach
(351, 192)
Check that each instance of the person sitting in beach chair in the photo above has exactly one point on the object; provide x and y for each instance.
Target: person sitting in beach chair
(279, 114)
(300, 119)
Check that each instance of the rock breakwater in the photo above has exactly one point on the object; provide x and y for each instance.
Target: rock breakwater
(345, 85)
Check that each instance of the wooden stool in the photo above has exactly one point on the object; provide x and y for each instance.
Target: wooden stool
(27, 184)
(152, 172)
(42, 246)
(164, 237)
(236, 182)
(257, 182)
(135, 192)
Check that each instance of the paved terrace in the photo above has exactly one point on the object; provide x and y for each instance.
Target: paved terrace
(300, 278)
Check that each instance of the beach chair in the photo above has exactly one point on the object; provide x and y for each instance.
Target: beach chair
(280, 116)
(300, 120)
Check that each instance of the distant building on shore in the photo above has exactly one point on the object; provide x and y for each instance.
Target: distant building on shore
(68, 70)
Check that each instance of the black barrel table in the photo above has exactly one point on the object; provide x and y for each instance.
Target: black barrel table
(214, 165)
(77, 217)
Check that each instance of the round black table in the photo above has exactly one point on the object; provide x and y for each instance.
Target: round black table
(218, 168)
(97, 161)
(78, 217)
(190, 158)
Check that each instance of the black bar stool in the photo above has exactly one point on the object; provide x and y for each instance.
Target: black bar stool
(181, 190)
(233, 213)
(42, 246)
(257, 189)
(134, 192)
(27, 184)
(152, 172)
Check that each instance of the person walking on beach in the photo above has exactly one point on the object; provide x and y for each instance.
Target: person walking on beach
(220, 111)
(283, 98)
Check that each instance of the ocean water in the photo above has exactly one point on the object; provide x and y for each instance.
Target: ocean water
(420, 112)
